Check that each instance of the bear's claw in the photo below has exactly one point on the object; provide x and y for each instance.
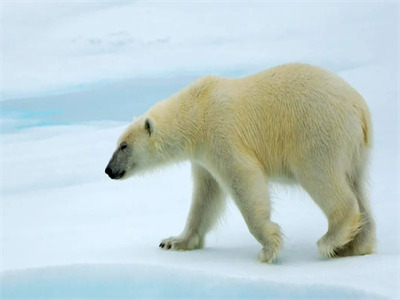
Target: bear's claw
(182, 243)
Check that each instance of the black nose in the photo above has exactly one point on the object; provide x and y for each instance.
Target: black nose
(114, 174)
(109, 171)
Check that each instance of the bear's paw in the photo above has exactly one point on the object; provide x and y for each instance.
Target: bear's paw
(182, 243)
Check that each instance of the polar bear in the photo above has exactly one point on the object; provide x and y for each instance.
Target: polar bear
(294, 122)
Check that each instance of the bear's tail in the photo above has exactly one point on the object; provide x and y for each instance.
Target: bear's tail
(366, 125)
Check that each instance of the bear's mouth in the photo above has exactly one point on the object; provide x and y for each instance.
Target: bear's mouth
(119, 176)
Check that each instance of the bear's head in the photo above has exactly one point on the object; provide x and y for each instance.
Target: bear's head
(137, 150)
(167, 133)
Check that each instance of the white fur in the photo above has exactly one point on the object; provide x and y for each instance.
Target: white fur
(294, 122)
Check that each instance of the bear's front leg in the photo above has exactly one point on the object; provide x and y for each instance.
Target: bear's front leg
(249, 189)
(208, 201)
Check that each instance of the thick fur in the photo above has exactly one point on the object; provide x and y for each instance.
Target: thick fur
(295, 122)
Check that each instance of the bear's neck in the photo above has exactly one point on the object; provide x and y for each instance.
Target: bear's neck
(184, 119)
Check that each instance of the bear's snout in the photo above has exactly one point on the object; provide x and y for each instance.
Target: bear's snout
(117, 165)
(113, 174)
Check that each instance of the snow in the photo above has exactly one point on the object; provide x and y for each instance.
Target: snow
(68, 231)
(135, 281)
(53, 47)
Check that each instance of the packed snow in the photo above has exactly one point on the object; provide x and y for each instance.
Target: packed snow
(74, 74)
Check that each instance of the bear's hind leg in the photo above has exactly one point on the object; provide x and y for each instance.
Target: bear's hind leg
(335, 197)
(208, 202)
(365, 240)
(249, 190)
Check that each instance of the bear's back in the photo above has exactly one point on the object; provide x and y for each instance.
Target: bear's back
(286, 111)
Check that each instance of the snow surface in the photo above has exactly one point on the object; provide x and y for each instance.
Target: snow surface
(75, 73)
(54, 46)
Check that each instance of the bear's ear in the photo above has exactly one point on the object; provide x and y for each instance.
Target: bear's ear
(149, 126)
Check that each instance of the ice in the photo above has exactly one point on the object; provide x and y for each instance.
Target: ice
(136, 281)
(56, 47)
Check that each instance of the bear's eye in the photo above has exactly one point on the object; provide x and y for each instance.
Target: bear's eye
(124, 146)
